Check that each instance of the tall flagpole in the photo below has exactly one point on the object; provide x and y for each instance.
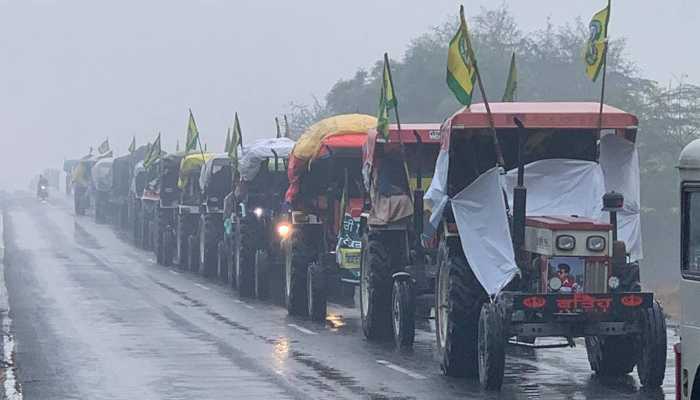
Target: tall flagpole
(398, 121)
(605, 67)
(492, 125)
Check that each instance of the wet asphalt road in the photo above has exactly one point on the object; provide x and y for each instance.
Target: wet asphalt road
(96, 318)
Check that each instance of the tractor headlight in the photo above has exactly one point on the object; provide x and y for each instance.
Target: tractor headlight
(595, 243)
(613, 282)
(566, 242)
(258, 212)
(283, 230)
(555, 283)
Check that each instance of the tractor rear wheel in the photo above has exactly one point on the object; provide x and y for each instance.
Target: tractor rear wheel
(492, 346)
(459, 298)
(193, 253)
(221, 261)
(316, 292)
(212, 231)
(297, 259)
(403, 312)
(375, 288)
(651, 367)
(246, 246)
(261, 274)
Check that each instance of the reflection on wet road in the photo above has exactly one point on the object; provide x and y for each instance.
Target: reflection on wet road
(95, 319)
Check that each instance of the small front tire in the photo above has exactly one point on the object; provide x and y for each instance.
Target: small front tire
(404, 313)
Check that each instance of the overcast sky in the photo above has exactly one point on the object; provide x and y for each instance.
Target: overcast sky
(73, 72)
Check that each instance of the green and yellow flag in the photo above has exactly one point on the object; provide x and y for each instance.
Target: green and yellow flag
(228, 140)
(104, 147)
(153, 153)
(512, 83)
(387, 100)
(461, 74)
(596, 46)
(237, 135)
(132, 145)
(192, 135)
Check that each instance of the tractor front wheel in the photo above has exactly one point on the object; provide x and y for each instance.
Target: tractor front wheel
(403, 312)
(492, 346)
(651, 367)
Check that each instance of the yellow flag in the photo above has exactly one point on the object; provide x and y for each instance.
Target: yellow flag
(192, 135)
(596, 46)
(460, 64)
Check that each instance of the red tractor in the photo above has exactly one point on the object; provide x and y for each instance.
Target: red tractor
(325, 197)
(397, 274)
(544, 242)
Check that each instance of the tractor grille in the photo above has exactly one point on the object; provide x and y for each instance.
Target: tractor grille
(596, 278)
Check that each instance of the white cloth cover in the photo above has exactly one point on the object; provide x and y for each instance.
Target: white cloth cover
(435, 197)
(102, 174)
(561, 187)
(620, 163)
(258, 151)
(480, 213)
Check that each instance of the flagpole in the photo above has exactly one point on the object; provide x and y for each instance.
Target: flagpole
(398, 121)
(492, 125)
(605, 67)
(277, 123)
(286, 126)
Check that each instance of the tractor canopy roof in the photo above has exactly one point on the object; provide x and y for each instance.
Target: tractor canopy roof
(409, 134)
(338, 136)
(259, 151)
(190, 163)
(561, 115)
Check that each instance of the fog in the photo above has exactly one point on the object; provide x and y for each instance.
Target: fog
(74, 72)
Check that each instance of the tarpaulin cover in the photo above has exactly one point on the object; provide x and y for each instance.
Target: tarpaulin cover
(620, 163)
(256, 152)
(189, 163)
(561, 187)
(482, 221)
(309, 143)
(343, 131)
(102, 174)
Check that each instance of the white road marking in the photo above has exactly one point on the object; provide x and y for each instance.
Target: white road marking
(150, 260)
(237, 301)
(302, 329)
(248, 306)
(173, 272)
(395, 367)
(201, 286)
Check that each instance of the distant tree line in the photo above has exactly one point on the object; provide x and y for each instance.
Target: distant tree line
(550, 68)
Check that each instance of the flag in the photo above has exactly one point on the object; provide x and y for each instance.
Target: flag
(460, 64)
(177, 146)
(237, 135)
(228, 140)
(153, 153)
(192, 135)
(597, 43)
(104, 147)
(512, 83)
(387, 100)
(132, 146)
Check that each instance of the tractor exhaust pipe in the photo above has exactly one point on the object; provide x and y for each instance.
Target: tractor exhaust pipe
(519, 192)
(612, 203)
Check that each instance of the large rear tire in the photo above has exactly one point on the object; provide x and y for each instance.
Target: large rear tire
(316, 290)
(247, 244)
(459, 298)
(212, 232)
(375, 288)
(651, 367)
(193, 253)
(298, 257)
(403, 302)
(492, 346)
(262, 268)
(222, 261)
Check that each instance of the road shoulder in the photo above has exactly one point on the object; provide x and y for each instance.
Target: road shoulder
(11, 388)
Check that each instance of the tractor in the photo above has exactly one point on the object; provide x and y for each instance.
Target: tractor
(188, 211)
(325, 197)
(102, 188)
(397, 271)
(165, 224)
(215, 180)
(259, 222)
(536, 210)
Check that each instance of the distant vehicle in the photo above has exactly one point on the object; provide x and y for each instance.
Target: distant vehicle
(527, 254)
(188, 211)
(43, 192)
(215, 183)
(688, 350)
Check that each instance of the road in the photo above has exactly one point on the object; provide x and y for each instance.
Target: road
(96, 318)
